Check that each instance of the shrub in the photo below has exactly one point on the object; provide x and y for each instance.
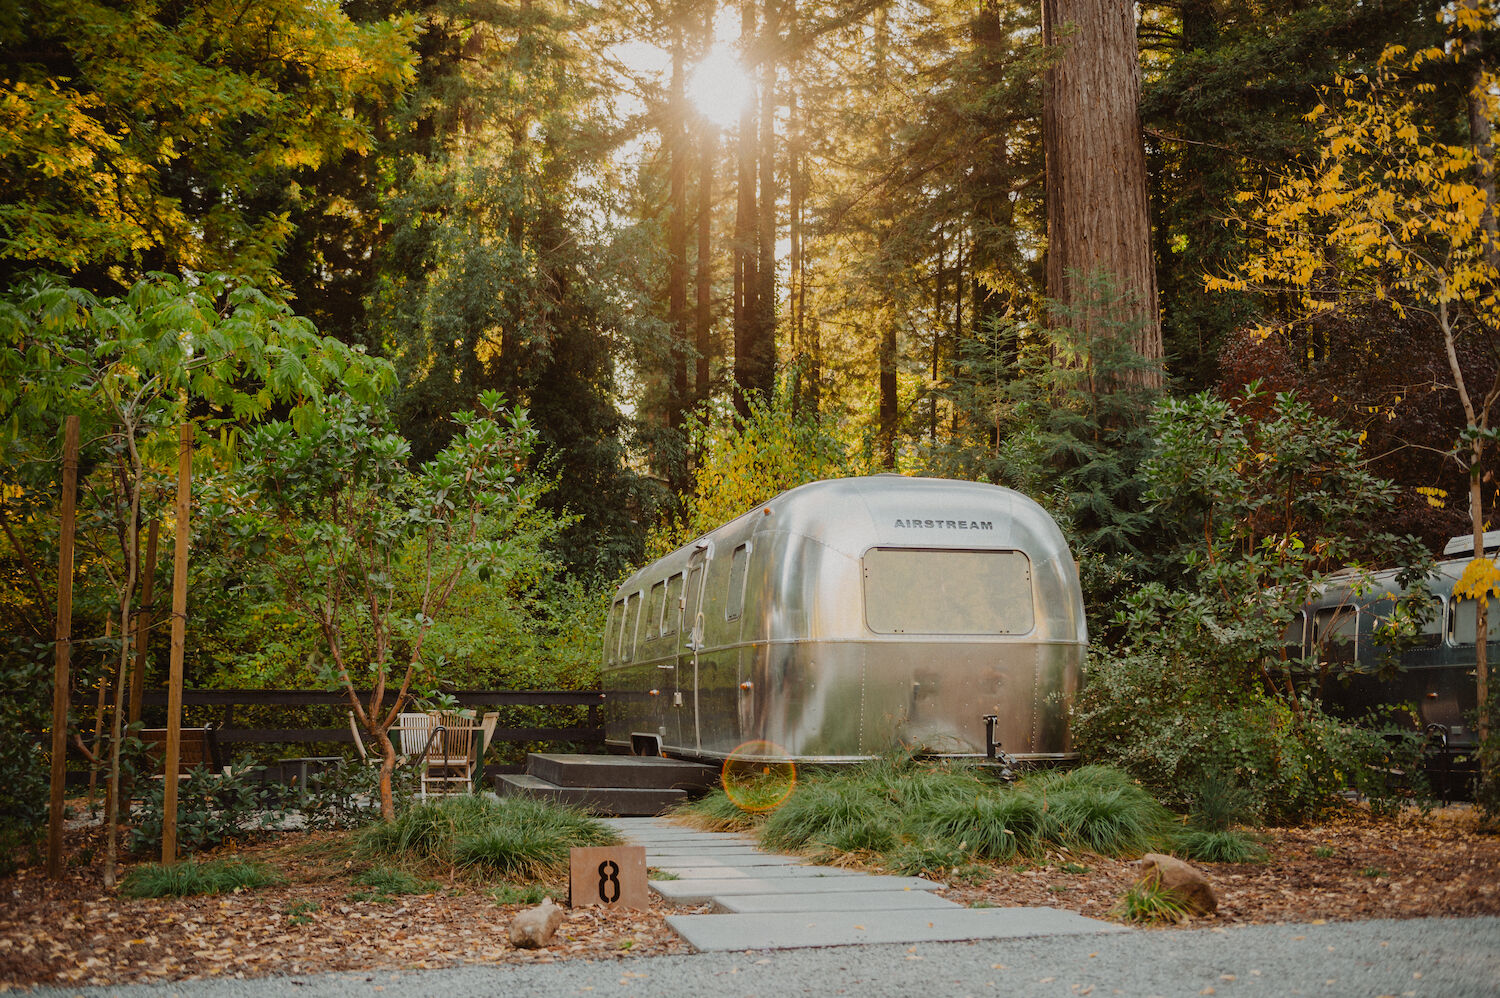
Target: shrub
(212, 808)
(217, 876)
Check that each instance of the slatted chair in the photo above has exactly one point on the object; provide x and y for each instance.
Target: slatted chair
(451, 755)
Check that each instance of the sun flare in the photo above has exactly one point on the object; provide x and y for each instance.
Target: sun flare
(719, 88)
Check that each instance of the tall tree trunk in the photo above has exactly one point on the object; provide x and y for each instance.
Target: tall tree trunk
(1098, 219)
(677, 238)
(765, 325)
(746, 238)
(703, 318)
(887, 357)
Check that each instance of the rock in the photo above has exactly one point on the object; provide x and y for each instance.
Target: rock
(1182, 879)
(535, 927)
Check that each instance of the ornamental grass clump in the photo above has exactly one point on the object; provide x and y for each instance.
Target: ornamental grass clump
(215, 876)
(1219, 846)
(1099, 809)
(515, 836)
(842, 813)
(1000, 825)
(1149, 903)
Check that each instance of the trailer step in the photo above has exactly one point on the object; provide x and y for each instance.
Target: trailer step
(615, 801)
(624, 771)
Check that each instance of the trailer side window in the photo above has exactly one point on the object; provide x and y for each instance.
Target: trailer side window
(654, 611)
(739, 562)
(632, 625)
(919, 591)
(612, 633)
(1334, 629)
(1296, 635)
(674, 598)
(1466, 621)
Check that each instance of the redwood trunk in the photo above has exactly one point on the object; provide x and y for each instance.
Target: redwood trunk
(1098, 218)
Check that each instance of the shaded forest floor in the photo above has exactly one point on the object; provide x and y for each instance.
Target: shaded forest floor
(73, 931)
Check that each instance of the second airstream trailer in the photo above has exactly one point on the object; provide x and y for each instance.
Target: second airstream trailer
(846, 618)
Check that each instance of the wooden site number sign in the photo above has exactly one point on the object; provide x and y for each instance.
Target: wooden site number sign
(609, 876)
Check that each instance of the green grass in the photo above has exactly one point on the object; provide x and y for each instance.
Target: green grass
(301, 912)
(998, 825)
(1323, 852)
(520, 894)
(385, 883)
(1224, 846)
(718, 812)
(1099, 810)
(215, 876)
(1149, 904)
(510, 836)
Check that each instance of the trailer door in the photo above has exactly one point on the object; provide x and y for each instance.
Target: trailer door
(683, 717)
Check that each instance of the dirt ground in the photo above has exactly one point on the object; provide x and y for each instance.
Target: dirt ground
(73, 931)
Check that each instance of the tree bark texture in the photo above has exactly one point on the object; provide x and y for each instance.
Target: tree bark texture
(1098, 218)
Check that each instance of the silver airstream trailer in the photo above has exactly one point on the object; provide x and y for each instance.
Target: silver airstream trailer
(844, 619)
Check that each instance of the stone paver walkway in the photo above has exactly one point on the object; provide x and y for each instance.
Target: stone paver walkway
(767, 901)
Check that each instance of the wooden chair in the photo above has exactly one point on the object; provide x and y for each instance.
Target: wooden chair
(451, 755)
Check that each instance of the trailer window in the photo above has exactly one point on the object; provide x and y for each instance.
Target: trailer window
(632, 625)
(674, 600)
(1296, 635)
(917, 591)
(738, 563)
(1334, 628)
(1466, 621)
(612, 633)
(654, 610)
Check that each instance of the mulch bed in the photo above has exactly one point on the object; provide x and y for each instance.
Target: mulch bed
(73, 931)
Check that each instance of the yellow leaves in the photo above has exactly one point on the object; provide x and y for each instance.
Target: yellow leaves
(1480, 580)
(1435, 497)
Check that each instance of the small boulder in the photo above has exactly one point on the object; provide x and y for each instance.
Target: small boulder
(535, 927)
(1182, 879)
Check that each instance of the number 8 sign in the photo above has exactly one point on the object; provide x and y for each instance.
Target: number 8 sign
(607, 876)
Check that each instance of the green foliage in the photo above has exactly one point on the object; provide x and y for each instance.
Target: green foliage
(301, 912)
(212, 808)
(1149, 903)
(190, 877)
(140, 133)
(386, 883)
(1118, 820)
(747, 460)
(24, 710)
(993, 827)
(1219, 846)
(1199, 687)
(526, 894)
(509, 836)
(1057, 412)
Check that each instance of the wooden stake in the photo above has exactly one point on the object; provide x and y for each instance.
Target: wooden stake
(64, 637)
(179, 641)
(143, 625)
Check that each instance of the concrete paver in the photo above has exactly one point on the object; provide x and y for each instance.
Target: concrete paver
(766, 901)
(780, 930)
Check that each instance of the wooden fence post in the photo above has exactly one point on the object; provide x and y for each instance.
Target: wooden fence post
(64, 636)
(179, 640)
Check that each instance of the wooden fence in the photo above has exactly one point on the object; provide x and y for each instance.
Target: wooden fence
(589, 732)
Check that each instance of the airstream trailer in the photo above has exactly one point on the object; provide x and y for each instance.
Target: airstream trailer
(846, 618)
(1431, 684)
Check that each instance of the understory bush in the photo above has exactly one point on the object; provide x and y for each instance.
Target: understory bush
(212, 808)
(509, 836)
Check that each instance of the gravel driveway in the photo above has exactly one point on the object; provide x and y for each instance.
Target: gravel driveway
(1443, 958)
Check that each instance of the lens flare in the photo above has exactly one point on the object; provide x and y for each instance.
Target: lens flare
(758, 776)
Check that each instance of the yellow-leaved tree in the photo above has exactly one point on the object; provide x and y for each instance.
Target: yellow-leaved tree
(1391, 213)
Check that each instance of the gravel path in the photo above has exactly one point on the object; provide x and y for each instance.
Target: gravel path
(1443, 958)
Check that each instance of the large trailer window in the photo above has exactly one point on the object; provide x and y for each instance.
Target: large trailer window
(1334, 630)
(1466, 621)
(674, 602)
(918, 591)
(612, 634)
(632, 624)
(738, 564)
(653, 610)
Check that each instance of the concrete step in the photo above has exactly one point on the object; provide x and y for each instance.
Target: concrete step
(625, 771)
(598, 800)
